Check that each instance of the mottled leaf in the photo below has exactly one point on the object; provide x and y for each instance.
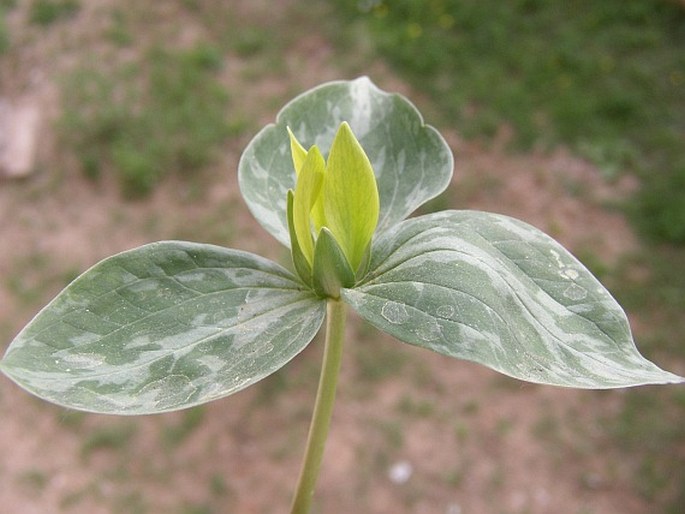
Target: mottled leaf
(162, 327)
(411, 160)
(494, 290)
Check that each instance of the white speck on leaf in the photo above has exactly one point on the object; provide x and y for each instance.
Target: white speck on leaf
(445, 311)
(570, 274)
(395, 313)
(557, 258)
(429, 331)
(575, 292)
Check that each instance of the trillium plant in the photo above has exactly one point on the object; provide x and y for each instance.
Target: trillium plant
(174, 324)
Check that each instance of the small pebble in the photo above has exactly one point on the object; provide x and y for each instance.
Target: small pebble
(400, 472)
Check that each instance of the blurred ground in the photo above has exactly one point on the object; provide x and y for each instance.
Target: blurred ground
(413, 432)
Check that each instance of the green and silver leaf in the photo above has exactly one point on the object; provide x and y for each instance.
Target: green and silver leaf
(162, 327)
(494, 290)
(411, 160)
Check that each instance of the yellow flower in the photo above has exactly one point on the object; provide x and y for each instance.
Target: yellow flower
(338, 195)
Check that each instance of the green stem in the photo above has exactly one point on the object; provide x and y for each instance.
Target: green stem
(323, 408)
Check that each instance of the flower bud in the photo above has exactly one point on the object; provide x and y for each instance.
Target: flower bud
(340, 195)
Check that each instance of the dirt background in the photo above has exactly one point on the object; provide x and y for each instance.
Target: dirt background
(413, 432)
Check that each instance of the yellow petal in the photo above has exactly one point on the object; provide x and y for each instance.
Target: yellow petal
(350, 196)
(307, 190)
(299, 154)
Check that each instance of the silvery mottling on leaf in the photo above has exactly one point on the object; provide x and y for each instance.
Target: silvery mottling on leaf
(174, 324)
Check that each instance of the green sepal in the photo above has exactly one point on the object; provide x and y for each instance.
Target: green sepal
(364, 266)
(331, 269)
(299, 261)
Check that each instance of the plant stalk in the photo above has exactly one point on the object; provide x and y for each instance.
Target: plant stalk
(323, 408)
